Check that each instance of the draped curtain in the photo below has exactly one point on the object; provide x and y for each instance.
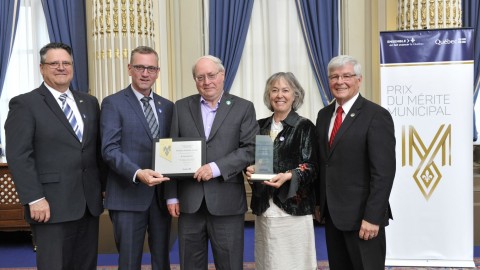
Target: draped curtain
(319, 22)
(8, 18)
(228, 27)
(275, 44)
(470, 12)
(66, 24)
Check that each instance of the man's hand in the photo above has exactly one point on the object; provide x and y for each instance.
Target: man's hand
(317, 214)
(368, 230)
(40, 211)
(204, 173)
(174, 209)
(150, 177)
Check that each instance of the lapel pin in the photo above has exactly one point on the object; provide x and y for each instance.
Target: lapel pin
(228, 102)
(160, 110)
(282, 139)
(84, 116)
(352, 115)
(158, 102)
(81, 100)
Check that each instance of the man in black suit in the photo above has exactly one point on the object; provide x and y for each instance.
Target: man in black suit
(54, 155)
(212, 204)
(357, 168)
(134, 196)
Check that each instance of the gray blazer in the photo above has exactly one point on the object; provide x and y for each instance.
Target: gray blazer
(127, 145)
(47, 159)
(231, 145)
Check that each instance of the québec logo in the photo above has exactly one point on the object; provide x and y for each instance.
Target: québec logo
(447, 41)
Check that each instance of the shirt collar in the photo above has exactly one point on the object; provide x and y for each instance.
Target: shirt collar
(56, 94)
(348, 105)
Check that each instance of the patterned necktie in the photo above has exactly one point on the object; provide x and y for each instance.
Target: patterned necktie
(151, 120)
(70, 116)
(336, 124)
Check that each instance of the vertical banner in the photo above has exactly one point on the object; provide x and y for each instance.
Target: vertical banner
(427, 85)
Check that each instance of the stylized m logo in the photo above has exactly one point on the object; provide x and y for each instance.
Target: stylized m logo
(427, 175)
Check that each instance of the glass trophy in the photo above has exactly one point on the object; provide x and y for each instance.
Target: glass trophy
(263, 159)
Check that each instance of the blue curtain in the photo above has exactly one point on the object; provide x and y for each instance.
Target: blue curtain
(9, 11)
(470, 12)
(66, 24)
(319, 21)
(229, 20)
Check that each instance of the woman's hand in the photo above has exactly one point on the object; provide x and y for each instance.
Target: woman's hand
(278, 180)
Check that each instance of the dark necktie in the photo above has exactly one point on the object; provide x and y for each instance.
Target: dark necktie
(70, 116)
(336, 124)
(151, 120)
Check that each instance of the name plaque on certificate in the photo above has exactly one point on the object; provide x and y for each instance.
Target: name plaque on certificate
(263, 159)
(178, 156)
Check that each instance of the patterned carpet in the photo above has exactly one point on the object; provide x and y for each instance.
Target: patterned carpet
(322, 265)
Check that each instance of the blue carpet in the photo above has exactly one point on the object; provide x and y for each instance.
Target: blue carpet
(16, 249)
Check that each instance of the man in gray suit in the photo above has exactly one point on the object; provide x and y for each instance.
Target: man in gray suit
(54, 155)
(212, 204)
(131, 120)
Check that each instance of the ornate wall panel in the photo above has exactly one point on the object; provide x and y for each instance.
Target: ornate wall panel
(118, 27)
(429, 14)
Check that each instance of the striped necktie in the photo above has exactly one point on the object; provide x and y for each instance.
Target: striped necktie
(151, 120)
(70, 116)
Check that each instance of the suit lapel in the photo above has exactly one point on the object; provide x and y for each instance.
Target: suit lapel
(160, 115)
(196, 112)
(224, 107)
(137, 108)
(53, 104)
(351, 116)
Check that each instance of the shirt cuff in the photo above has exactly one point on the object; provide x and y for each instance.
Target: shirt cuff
(215, 169)
(30, 203)
(172, 201)
(135, 177)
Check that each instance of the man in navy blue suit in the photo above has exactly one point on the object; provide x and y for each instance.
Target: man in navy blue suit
(130, 122)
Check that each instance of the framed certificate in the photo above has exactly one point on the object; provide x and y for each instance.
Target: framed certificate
(178, 156)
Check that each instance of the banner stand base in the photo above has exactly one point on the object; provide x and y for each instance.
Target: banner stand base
(430, 263)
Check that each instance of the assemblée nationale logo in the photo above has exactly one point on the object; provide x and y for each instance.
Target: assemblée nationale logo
(426, 158)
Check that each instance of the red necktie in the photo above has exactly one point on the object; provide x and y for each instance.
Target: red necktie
(336, 124)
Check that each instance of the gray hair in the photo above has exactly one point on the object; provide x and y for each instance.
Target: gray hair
(298, 91)
(342, 60)
(212, 58)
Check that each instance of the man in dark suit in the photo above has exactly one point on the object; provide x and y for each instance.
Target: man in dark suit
(56, 166)
(357, 168)
(131, 120)
(212, 204)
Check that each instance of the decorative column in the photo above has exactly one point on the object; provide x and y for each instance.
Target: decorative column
(119, 26)
(429, 14)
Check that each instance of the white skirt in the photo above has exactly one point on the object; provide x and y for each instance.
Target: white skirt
(286, 242)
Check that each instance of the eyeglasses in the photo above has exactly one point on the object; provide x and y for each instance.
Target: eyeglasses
(55, 65)
(345, 77)
(208, 76)
(150, 69)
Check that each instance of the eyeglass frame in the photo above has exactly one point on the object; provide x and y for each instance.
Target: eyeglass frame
(142, 68)
(345, 77)
(210, 77)
(56, 64)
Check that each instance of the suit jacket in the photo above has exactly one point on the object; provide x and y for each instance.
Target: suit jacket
(47, 159)
(357, 171)
(230, 145)
(127, 146)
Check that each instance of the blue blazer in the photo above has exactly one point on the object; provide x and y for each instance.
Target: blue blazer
(127, 146)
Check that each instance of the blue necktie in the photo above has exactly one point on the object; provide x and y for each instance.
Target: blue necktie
(70, 116)
(152, 121)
